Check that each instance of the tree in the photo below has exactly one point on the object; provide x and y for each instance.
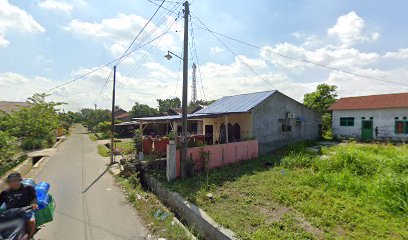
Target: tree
(8, 147)
(91, 117)
(201, 102)
(319, 101)
(142, 110)
(34, 125)
(166, 104)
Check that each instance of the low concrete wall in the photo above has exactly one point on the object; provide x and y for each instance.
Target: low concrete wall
(223, 154)
(193, 215)
(23, 168)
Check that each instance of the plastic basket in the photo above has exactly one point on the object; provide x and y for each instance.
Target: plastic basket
(45, 215)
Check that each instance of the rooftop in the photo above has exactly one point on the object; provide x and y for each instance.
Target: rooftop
(237, 103)
(395, 100)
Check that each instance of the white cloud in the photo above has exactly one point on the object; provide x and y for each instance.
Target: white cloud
(402, 53)
(14, 18)
(215, 50)
(349, 30)
(117, 33)
(55, 5)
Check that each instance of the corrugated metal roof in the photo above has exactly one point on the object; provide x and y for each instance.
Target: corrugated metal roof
(237, 103)
(397, 100)
(168, 118)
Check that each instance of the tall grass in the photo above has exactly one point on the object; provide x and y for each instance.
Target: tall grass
(378, 171)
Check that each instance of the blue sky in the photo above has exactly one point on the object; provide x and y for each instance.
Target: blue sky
(44, 43)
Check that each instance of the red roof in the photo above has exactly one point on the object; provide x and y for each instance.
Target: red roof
(396, 100)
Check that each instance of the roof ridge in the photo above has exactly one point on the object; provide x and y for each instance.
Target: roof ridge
(271, 91)
(374, 95)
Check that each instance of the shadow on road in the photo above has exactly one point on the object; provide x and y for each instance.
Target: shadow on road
(96, 179)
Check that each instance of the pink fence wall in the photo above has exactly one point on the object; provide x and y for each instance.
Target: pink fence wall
(222, 154)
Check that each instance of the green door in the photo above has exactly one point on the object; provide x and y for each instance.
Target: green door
(367, 130)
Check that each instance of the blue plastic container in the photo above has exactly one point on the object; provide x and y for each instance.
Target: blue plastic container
(42, 191)
(28, 182)
(44, 204)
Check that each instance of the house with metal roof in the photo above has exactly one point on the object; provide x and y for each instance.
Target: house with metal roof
(382, 117)
(270, 117)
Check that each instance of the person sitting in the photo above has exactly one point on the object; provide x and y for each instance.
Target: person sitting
(18, 195)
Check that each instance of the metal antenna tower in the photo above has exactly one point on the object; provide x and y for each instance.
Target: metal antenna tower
(194, 86)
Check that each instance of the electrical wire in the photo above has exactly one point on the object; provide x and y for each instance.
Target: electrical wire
(103, 88)
(295, 59)
(105, 65)
(237, 56)
(140, 32)
(138, 66)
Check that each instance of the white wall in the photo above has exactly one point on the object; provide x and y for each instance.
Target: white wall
(384, 119)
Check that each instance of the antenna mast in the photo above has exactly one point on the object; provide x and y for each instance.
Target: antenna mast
(194, 86)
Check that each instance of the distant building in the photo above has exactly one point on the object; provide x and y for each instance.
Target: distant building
(382, 117)
(121, 115)
(9, 106)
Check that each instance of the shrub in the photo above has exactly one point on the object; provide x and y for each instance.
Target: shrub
(393, 191)
(8, 147)
(298, 160)
(33, 143)
(65, 125)
(104, 128)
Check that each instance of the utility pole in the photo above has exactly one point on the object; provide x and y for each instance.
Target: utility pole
(183, 150)
(113, 117)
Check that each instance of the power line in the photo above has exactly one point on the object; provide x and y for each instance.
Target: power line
(105, 65)
(138, 66)
(295, 59)
(103, 88)
(140, 32)
(237, 56)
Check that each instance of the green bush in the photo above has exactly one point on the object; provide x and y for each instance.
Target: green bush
(298, 160)
(33, 143)
(393, 191)
(65, 125)
(104, 128)
(8, 147)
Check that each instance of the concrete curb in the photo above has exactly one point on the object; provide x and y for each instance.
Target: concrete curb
(192, 214)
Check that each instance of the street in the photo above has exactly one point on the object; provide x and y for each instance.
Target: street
(89, 204)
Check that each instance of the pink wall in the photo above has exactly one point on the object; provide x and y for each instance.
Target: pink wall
(223, 154)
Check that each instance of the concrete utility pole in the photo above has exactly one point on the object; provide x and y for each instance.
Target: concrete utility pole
(113, 117)
(183, 150)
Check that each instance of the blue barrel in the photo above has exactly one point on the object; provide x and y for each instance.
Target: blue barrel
(42, 191)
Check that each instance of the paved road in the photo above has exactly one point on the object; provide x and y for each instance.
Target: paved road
(89, 205)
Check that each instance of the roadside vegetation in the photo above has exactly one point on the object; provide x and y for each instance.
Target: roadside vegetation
(31, 128)
(157, 217)
(350, 191)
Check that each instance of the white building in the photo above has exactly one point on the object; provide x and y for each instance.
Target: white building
(382, 117)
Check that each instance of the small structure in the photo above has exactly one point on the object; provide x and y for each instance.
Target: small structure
(382, 117)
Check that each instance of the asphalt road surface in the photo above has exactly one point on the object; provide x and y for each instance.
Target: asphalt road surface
(89, 204)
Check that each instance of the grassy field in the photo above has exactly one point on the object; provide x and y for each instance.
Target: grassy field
(348, 191)
(103, 150)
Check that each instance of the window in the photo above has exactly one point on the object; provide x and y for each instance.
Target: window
(401, 127)
(347, 121)
(286, 128)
